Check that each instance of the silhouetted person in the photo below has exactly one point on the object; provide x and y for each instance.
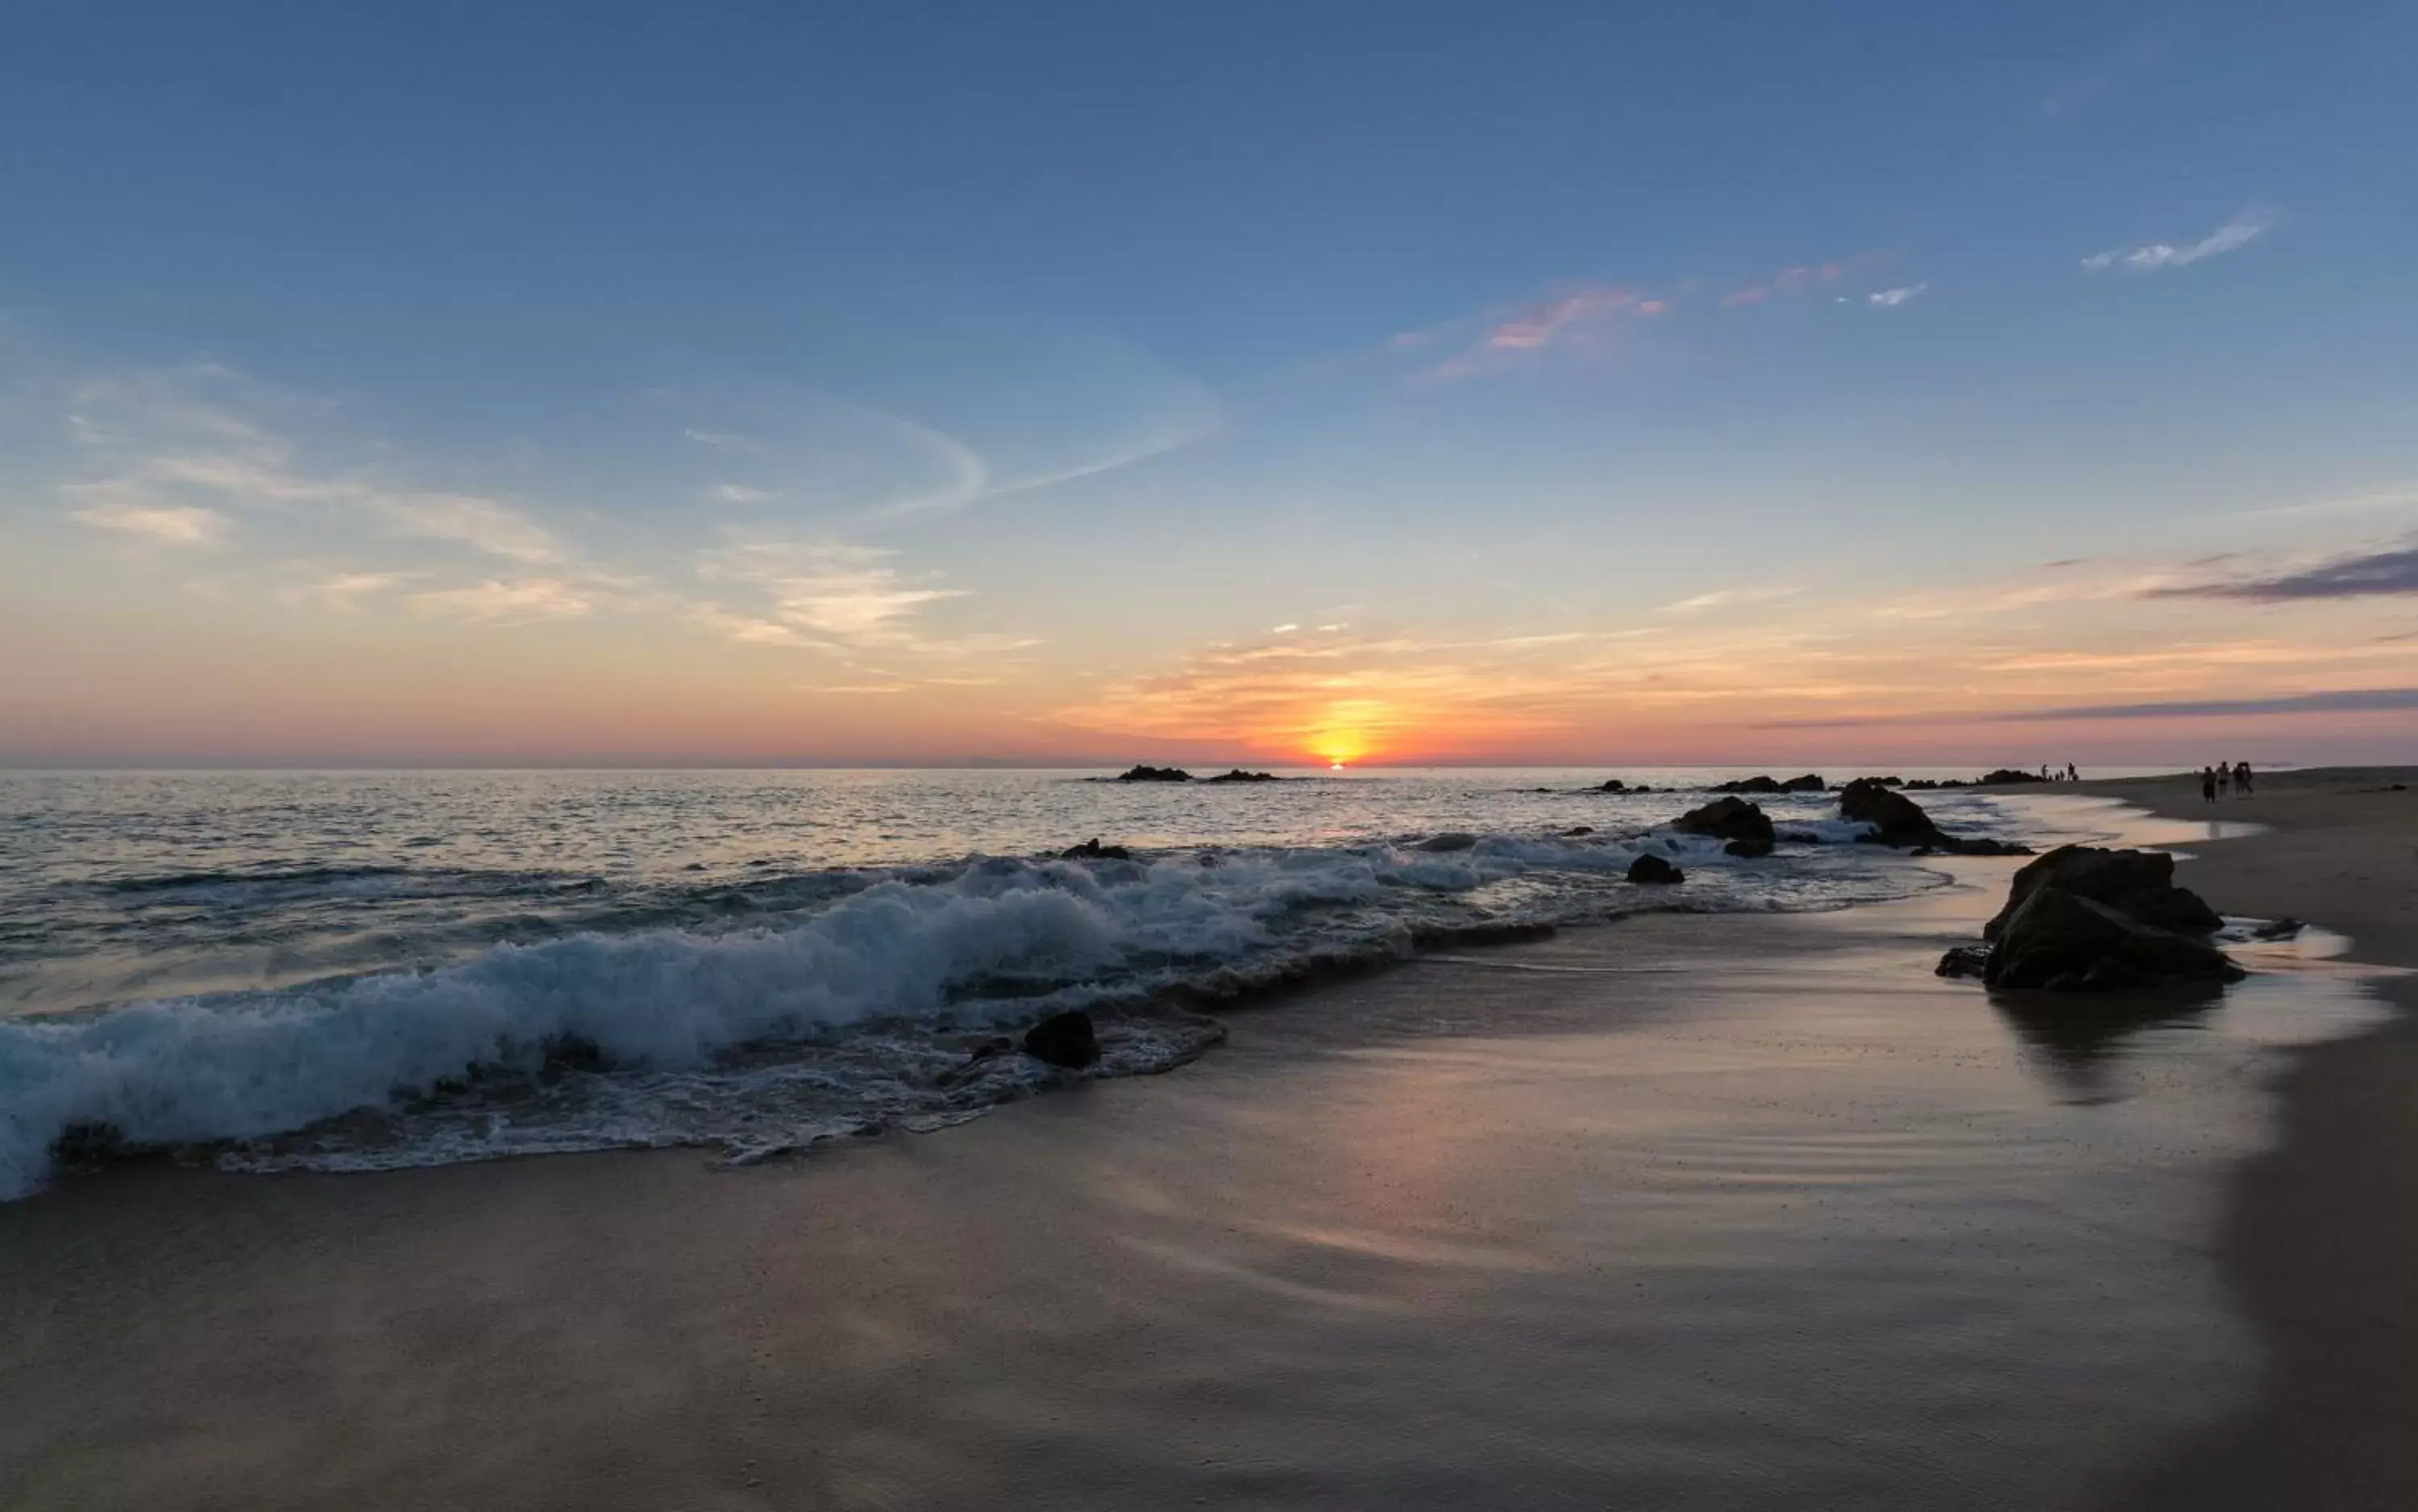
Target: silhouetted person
(2223, 776)
(2242, 778)
(2072, 773)
(2208, 785)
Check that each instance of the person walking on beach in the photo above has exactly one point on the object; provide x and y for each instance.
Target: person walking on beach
(2208, 785)
(2242, 778)
(2223, 777)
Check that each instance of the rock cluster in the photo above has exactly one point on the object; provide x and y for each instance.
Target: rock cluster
(1810, 782)
(1238, 774)
(1148, 773)
(1093, 850)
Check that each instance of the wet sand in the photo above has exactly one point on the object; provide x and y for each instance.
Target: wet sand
(2320, 1242)
(1681, 1212)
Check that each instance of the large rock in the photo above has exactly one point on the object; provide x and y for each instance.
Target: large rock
(1093, 850)
(2141, 883)
(1728, 819)
(1064, 1040)
(1896, 819)
(2065, 942)
(1655, 869)
(2006, 777)
(1238, 774)
(1899, 820)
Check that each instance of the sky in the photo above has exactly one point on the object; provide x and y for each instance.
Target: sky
(449, 383)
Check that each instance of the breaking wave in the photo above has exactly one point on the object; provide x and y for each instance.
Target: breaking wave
(851, 1011)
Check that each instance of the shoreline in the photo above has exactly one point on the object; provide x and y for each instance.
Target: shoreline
(2319, 1243)
(1704, 1209)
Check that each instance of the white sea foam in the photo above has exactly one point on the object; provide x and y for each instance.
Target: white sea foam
(992, 941)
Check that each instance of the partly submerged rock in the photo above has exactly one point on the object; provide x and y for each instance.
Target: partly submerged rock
(1965, 960)
(1728, 819)
(2065, 942)
(1238, 774)
(1899, 820)
(1656, 870)
(1749, 785)
(1751, 850)
(2141, 883)
(1810, 782)
(1065, 1039)
(1148, 773)
(2006, 777)
(1093, 850)
(1450, 840)
(1577, 830)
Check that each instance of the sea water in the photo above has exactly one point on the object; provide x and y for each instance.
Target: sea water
(362, 969)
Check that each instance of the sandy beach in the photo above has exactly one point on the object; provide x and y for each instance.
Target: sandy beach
(1679, 1211)
(2321, 1236)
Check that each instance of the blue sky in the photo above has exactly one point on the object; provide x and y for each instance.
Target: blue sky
(739, 382)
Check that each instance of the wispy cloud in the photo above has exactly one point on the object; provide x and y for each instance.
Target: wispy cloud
(166, 448)
(2392, 571)
(1729, 598)
(174, 525)
(2149, 258)
(1794, 280)
(498, 601)
(832, 594)
(742, 494)
(2347, 700)
(1892, 298)
(1578, 317)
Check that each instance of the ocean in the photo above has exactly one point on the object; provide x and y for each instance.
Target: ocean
(360, 970)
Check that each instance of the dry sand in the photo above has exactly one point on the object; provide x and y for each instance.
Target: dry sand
(1714, 1211)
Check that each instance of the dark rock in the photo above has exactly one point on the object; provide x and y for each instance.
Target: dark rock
(1614, 785)
(1810, 782)
(981, 1056)
(570, 1052)
(1453, 840)
(89, 1144)
(1896, 819)
(1238, 774)
(2065, 942)
(2006, 777)
(1093, 850)
(1751, 850)
(1749, 785)
(1919, 784)
(1641, 788)
(2277, 929)
(1965, 960)
(2141, 883)
(1578, 830)
(1146, 773)
(1064, 1040)
(1730, 819)
(1655, 869)
(1899, 820)
(1800, 837)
